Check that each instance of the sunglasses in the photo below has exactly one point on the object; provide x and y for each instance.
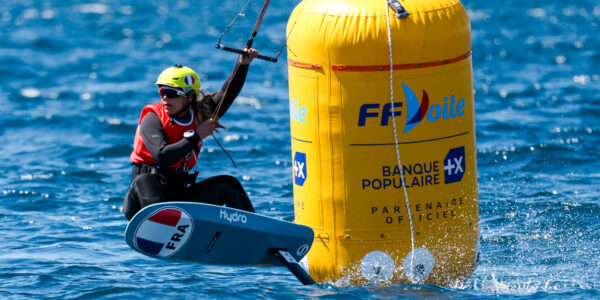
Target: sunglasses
(169, 92)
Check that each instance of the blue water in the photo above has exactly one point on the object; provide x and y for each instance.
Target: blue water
(75, 74)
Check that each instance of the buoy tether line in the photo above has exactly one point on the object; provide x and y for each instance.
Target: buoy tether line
(400, 13)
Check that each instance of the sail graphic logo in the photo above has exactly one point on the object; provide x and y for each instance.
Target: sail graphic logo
(416, 111)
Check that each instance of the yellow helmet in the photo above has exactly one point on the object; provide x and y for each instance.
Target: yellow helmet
(182, 77)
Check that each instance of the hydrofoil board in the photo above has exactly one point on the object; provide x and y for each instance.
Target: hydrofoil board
(204, 233)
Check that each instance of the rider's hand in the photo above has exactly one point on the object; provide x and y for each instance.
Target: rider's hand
(206, 128)
(247, 59)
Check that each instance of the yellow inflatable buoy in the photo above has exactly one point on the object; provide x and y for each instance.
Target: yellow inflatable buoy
(383, 139)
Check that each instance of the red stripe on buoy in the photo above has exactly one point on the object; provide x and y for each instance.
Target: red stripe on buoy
(169, 217)
(304, 65)
(400, 66)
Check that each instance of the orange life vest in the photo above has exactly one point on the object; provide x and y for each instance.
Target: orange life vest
(174, 132)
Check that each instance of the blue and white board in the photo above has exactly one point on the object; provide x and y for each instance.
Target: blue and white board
(205, 233)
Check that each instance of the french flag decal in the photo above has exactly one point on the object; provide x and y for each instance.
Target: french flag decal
(164, 232)
(189, 80)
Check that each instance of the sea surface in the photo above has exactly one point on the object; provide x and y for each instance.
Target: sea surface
(74, 76)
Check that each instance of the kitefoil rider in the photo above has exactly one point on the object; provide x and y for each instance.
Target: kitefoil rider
(169, 136)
